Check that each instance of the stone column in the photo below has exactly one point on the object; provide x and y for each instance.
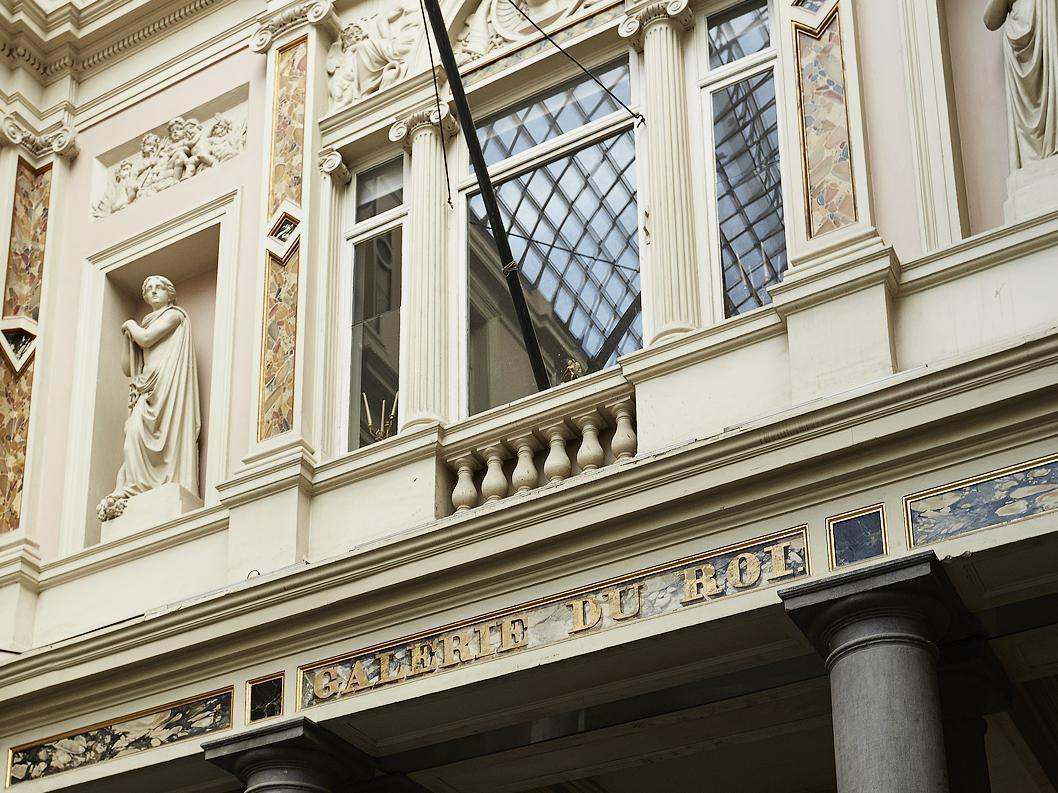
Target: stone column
(295, 756)
(425, 394)
(878, 629)
(671, 293)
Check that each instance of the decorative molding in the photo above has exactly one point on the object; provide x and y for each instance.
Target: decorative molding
(272, 26)
(331, 163)
(61, 141)
(634, 25)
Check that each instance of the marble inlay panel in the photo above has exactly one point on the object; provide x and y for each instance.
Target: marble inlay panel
(276, 413)
(991, 500)
(29, 232)
(168, 724)
(288, 125)
(688, 583)
(16, 391)
(856, 537)
(825, 129)
(811, 5)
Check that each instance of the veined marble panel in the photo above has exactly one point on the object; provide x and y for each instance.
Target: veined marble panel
(276, 413)
(990, 500)
(29, 233)
(16, 393)
(168, 724)
(288, 125)
(829, 189)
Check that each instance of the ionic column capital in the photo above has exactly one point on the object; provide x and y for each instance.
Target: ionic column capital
(440, 117)
(61, 141)
(673, 12)
(331, 164)
(319, 14)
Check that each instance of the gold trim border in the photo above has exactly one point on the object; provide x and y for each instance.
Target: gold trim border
(230, 690)
(971, 480)
(281, 675)
(816, 33)
(802, 529)
(856, 513)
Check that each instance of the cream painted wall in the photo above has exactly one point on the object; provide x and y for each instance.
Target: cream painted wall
(888, 126)
(980, 96)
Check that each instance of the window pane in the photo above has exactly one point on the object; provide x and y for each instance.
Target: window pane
(375, 336)
(553, 113)
(738, 32)
(748, 192)
(573, 228)
(379, 189)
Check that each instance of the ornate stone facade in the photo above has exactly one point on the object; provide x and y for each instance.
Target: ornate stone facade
(495, 24)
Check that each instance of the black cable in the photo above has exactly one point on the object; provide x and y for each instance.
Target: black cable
(638, 116)
(437, 97)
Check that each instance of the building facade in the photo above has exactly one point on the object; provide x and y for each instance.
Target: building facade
(786, 520)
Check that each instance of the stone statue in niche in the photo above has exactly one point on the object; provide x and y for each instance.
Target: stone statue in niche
(161, 433)
(189, 148)
(372, 54)
(1030, 28)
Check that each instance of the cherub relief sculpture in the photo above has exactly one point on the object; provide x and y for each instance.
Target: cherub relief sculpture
(1030, 53)
(161, 432)
(189, 148)
(372, 54)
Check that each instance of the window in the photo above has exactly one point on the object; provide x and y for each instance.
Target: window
(572, 221)
(743, 121)
(375, 299)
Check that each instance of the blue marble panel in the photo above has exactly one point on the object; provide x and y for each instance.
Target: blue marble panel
(857, 538)
(169, 724)
(1003, 498)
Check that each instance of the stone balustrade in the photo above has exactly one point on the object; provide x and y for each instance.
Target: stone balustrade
(541, 453)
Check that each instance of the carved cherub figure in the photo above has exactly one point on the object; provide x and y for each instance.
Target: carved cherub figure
(196, 148)
(342, 66)
(120, 192)
(223, 142)
(149, 170)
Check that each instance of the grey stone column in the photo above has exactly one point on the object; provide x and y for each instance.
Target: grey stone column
(295, 756)
(878, 628)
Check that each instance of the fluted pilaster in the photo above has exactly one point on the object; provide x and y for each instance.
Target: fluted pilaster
(425, 396)
(671, 291)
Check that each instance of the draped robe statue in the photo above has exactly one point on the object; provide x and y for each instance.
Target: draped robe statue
(1031, 55)
(161, 433)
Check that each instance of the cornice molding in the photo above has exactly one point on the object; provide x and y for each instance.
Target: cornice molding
(60, 141)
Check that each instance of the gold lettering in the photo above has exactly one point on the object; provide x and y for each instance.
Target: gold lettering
(699, 583)
(617, 611)
(485, 647)
(734, 571)
(326, 682)
(422, 657)
(457, 649)
(385, 667)
(358, 680)
(779, 568)
(513, 633)
(586, 613)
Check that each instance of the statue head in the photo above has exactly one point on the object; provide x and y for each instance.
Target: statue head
(221, 127)
(125, 169)
(351, 34)
(177, 129)
(150, 145)
(158, 292)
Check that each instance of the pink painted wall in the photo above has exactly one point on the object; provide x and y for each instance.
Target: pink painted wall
(980, 95)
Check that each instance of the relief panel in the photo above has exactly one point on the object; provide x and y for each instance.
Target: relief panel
(829, 191)
(280, 338)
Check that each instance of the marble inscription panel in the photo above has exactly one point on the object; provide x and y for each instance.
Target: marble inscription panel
(724, 573)
(276, 413)
(825, 129)
(288, 125)
(169, 724)
(990, 501)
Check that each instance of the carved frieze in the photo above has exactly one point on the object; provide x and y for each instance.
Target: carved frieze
(181, 149)
(495, 24)
(372, 53)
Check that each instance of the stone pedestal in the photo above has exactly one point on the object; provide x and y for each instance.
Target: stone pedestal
(1032, 190)
(152, 508)
(879, 629)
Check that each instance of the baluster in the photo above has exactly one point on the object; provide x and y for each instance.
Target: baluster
(465, 494)
(590, 455)
(624, 441)
(557, 466)
(494, 485)
(525, 476)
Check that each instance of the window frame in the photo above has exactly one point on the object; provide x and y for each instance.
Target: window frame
(565, 144)
(353, 234)
(708, 82)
